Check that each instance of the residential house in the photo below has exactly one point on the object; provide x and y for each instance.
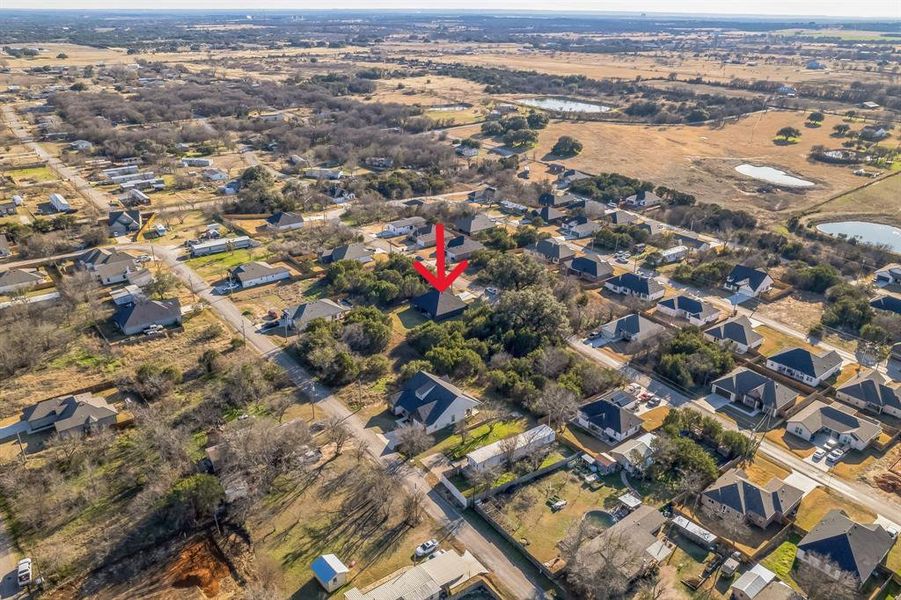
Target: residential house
(873, 392)
(461, 248)
(804, 365)
(59, 203)
(630, 284)
(485, 195)
(554, 200)
(635, 455)
(196, 162)
(606, 420)
(15, 280)
(590, 268)
(759, 583)
(631, 328)
(425, 237)
(135, 197)
(329, 571)
(439, 305)
(639, 530)
(643, 199)
(404, 226)
(299, 317)
(70, 416)
(432, 402)
(734, 498)
(446, 574)
(258, 273)
(888, 304)
(354, 251)
(93, 259)
(324, 174)
(81, 146)
(284, 221)
(551, 251)
(837, 546)
(466, 151)
(737, 332)
(672, 255)
(748, 281)
(581, 228)
(755, 391)
(473, 224)
(569, 177)
(837, 421)
(129, 294)
(214, 174)
(695, 311)
(220, 245)
(889, 275)
(123, 222)
(510, 449)
(117, 272)
(8, 208)
(135, 318)
(621, 217)
(549, 215)
(5, 250)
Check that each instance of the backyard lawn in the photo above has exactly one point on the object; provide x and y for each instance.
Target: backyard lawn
(455, 448)
(781, 560)
(819, 502)
(216, 266)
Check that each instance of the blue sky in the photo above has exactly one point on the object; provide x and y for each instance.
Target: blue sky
(832, 8)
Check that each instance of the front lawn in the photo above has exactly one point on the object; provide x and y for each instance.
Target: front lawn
(216, 266)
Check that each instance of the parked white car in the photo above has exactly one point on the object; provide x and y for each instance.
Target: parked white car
(23, 572)
(819, 454)
(835, 456)
(426, 548)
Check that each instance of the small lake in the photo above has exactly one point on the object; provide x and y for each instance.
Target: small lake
(565, 105)
(871, 233)
(774, 176)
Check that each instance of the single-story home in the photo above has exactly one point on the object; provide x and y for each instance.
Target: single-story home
(432, 402)
(621, 217)
(444, 575)
(404, 226)
(439, 305)
(755, 391)
(95, 258)
(298, 317)
(258, 273)
(461, 247)
(473, 224)
(214, 175)
(630, 284)
(604, 419)
(872, 391)
(736, 332)
(8, 208)
(425, 236)
(15, 280)
(639, 530)
(551, 251)
(697, 312)
(643, 199)
(887, 303)
(220, 245)
(733, 497)
(759, 583)
(512, 448)
(837, 421)
(555, 200)
(123, 222)
(890, 274)
(549, 214)
(72, 415)
(748, 281)
(805, 366)
(284, 221)
(837, 546)
(117, 272)
(631, 328)
(590, 268)
(582, 229)
(672, 255)
(135, 318)
(483, 196)
(354, 251)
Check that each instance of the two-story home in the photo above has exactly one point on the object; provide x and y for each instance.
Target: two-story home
(748, 281)
(738, 333)
(432, 402)
(755, 391)
(805, 366)
(733, 497)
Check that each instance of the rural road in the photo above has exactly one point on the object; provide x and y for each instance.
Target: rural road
(521, 584)
(9, 587)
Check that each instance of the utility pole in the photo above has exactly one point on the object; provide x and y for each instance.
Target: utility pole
(21, 447)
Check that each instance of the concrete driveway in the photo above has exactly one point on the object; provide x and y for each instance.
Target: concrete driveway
(12, 430)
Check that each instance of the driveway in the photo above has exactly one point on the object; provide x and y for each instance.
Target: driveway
(13, 429)
(9, 588)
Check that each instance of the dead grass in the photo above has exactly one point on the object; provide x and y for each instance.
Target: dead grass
(820, 501)
(653, 419)
(762, 470)
(791, 442)
(775, 341)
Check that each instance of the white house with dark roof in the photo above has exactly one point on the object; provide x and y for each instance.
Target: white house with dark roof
(872, 391)
(737, 333)
(804, 365)
(631, 328)
(837, 421)
(748, 281)
(135, 318)
(258, 273)
(355, 251)
(890, 274)
(15, 280)
(473, 224)
(755, 391)
(693, 310)
(551, 251)
(590, 267)
(404, 226)
(461, 247)
(607, 420)
(630, 284)
(284, 221)
(837, 546)
(299, 317)
(123, 222)
(734, 498)
(432, 402)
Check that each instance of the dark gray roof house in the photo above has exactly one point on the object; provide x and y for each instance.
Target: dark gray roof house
(748, 279)
(621, 217)
(281, 221)
(734, 495)
(549, 214)
(19, 279)
(439, 305)
(635, 285)
(552, 250)
(556, 200)
(121, 222)
(425, 236)
(738, 331)
(696, 311)
(804, 365)
(135, 318)
(77, 414)
(432, 402)
(590, 267)
(606, 414)
(474, 224)
(355, 251)
(889, 303)
(756, 391)
(584, 230)
(258, 272)
(92, 259)
(632, 328)
(300, 316)
(462, 247)
(853, 548)
(872, 391)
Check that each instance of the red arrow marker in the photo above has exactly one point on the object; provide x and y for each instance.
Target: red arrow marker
(440, 280)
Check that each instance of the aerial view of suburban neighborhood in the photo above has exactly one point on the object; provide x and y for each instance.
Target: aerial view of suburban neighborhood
(440, 303)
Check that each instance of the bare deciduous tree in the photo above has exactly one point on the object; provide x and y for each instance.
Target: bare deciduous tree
(413, 439)
(559, 404)
(337, 433)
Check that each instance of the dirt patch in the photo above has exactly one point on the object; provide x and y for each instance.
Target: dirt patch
(198, 565)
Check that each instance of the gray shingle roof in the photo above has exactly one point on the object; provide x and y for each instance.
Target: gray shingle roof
(426, 397)
(306, 312)
(873, 390)
(439, 305)
(738, 330)
(591, 265)
(284, 219)
(353, 251)
(855, 548)
(552, 249)
(639, 285)
(636, 325)
(690, 305)
(462, 244)
(73, 411)
(742, 275)
(474, 224)
(143, 314)
(605, 413)
(734, 490)
(19, 277)
(254, 270)
(838, 418)
(745, 382)
(805, 361)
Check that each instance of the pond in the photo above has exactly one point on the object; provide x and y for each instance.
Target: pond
(601, 518)
(565, 105)
(774, 176)
(871, 233)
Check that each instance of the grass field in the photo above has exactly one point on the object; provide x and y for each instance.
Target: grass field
(455, 448)
(32, 175)
(817, 503)
(877, 200)
(216, 266)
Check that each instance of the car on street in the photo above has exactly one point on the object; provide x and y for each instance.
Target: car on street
(426, 548)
